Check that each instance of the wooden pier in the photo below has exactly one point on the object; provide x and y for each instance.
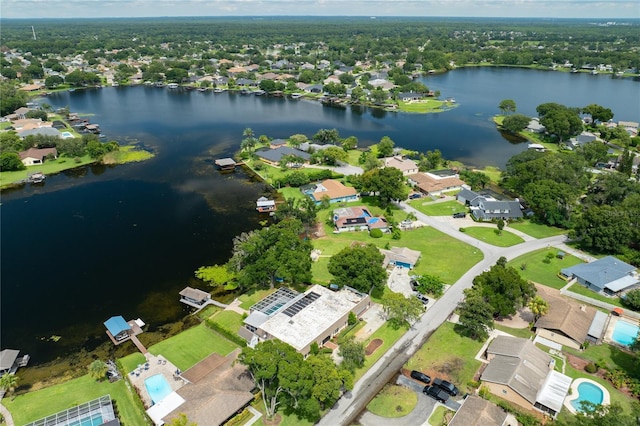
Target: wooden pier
(227, 164)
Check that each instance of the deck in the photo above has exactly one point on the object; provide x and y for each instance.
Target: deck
(200, 307)
(135, 330)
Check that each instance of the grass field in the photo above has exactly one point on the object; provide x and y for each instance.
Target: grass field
(425, 106)
(229, 320)
(437, 417)
(191, 346)
(448, 354)
(491, 236)
(446, 208)
(393, 401)
(453, 260)
(289, 192)
(536, 230)
(41, 403)
(48, 168)
(538, 271)
(389, 336)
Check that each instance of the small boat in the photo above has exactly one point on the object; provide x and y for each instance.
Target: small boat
(218, 90)
(296, 95)
(594, 72)
(172, 86)
(245, 92)
(259, 92)
(36, 177)
(202, 89)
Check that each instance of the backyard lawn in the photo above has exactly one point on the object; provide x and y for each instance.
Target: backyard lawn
(448, 355)
(48, 167)
(536, 230)
(389, 336)
(453, 257)
(491, 236)
(193, 345)
(289, 192)
(229, 320)
(536, 270)
(41, 403)
(446, 208)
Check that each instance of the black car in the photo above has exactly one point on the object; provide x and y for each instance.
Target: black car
(418, 375)
(460, 215)
(436, 393)
(448, 387)
(421, 297)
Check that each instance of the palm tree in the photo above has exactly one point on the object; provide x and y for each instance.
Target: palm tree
(98, 369)
(539, 307)
(9, 382)
(248, 133)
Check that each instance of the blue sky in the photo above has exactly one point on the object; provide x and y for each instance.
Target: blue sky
(607, 9)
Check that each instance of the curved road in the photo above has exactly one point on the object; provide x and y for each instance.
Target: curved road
(349, 406)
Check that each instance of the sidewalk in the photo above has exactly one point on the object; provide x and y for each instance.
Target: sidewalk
(7, 415)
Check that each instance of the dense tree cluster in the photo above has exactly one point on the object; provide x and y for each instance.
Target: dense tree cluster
(387, 183)
(359, 267)
(262, 257)
(290, 383)
(500, 291)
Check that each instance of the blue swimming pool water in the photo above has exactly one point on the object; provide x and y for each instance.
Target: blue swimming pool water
(95, 420)
(625, 332)
(588, 392)
(66, 134)
(157, 387)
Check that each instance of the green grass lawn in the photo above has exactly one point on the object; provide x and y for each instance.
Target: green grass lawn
(389, 336)
(494, 173)
(437, 417)
(41, 403)
(525, 333)
(132, 361)
(450, 354)
(491, 236)
(425, 106)
(48, 168)
(127, 154)
(544, 273)
(393, 401)
(250, 299)
(446, 208)
(193, 345)
(453, 258)
(229, 320)
(580, 289)
(289, 192)
(537, 230)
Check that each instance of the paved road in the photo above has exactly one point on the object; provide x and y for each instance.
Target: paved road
(345, 411)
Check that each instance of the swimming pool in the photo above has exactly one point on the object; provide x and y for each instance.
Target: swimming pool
(588, 392)
(625, 332)
(157, 387)
(66, 135)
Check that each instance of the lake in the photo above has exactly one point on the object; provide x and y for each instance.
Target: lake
(102, 241)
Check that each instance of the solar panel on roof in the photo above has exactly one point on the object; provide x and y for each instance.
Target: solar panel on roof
(301, 304)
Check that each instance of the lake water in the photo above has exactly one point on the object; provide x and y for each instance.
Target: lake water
(102, 241)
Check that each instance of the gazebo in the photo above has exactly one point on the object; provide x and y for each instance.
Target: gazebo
(117, 328)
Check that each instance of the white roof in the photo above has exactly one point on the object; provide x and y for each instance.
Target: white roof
(622, 283)
(139, 322)
(164, 407)
(553, 391)
(314, 319)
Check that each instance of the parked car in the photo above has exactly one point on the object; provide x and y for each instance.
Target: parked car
(415, 196)
(460, 215)
(419, 375)
(436, 393)
(421, 297)
(448, 387)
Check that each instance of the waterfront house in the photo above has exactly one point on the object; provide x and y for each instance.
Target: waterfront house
(193, 296)
(434, 183)
(608, 275)
(330, 189)
(301, 320)
(274, 156)
(411, 96)
(405, 165)
(36, 156)
(117, 328)
(265, 205)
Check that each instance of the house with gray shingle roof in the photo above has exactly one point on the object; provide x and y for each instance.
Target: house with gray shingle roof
(521, 373)
(274, 156)
(608, 275)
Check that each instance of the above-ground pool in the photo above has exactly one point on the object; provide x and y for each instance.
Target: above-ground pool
(157, 387)
(625, 332)
(588, 392)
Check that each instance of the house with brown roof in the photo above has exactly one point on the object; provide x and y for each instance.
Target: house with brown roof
(405, 165)
(433, 184)
(331, 189)
(476, 411)
(569, 323)
(36, 156)
(523, 374)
